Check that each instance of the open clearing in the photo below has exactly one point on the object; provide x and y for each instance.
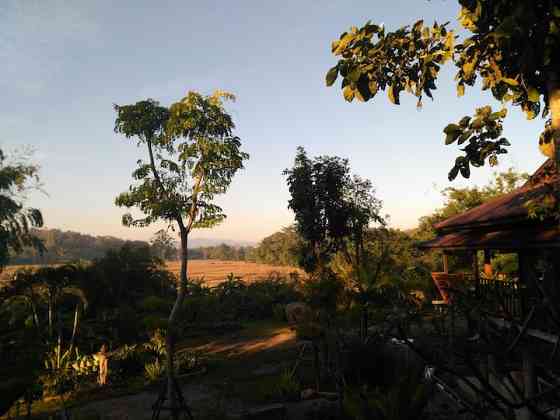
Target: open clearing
(215, 271)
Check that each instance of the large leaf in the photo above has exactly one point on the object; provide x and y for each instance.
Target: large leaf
(332, 74)
(393, 94)
(348, 93)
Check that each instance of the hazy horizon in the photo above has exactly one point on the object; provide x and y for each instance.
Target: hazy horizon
(65, 65)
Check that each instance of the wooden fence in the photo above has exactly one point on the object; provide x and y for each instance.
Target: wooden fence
(509, 296)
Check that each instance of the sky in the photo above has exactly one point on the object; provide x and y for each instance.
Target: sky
(65, 63)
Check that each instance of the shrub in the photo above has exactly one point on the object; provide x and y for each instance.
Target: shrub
(407, 399)
(127, 324)
(153, 323)
(324, 292)
(156, 345)
(154, 304)
(279, 312)
(186, 362)
(288, 386)
(128, 360)
(154, 371)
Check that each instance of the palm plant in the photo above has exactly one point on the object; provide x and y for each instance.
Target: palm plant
(50, 285)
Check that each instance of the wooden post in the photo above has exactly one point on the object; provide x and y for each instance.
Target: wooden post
(445, 263)
(475, 273)
(527, 281)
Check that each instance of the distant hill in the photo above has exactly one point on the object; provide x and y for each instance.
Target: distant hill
(69, 246)
(206, 242)
(66, 246)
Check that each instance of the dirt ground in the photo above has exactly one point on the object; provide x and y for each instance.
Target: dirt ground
(239, 363)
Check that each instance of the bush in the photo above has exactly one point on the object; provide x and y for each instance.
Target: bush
(407, 399)
(155, 304)
(233, 300)
(186, 362)
(156, 345)
(129, 361)
(152, 323)
(154, 371)
(279, 312)
(324, 292)
(288, 387)
(127, 324)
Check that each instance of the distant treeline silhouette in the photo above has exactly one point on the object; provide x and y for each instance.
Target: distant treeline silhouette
(68, 246)
(276, 249)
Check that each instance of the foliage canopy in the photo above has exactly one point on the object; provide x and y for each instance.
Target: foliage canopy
(16, 220)
(511, 47)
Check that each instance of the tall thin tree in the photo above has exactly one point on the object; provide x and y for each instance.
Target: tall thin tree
(192, 156)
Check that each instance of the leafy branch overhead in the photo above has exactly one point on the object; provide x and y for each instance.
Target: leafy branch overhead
(408, 59)
(511, 48)
(481, 135)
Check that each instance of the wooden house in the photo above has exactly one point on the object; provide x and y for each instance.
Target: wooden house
(504, 225)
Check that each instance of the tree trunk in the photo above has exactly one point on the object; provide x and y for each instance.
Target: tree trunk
(59, 342)
(364, 322)
(75, 327)
(171, 325)
(554, 106)
(50, 317)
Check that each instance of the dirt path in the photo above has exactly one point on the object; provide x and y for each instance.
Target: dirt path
(242, 352)
(236, 345)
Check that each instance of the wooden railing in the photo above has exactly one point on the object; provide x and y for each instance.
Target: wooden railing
(510, 296)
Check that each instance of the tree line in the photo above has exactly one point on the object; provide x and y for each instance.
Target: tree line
(67, 246)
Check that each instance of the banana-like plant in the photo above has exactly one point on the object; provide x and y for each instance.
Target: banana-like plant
(49, 286)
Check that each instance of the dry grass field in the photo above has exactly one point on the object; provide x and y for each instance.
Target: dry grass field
(212, 271)
(215, 271)
(6, 274)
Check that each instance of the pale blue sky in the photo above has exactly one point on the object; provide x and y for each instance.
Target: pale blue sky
(64, 63)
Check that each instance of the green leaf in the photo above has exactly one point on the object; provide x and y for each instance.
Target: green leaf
(348, 93)
(477, 124)
(465, 171)
(418, 26)
(533, 94)
(498, 115)
(354, 75)
(453, 173)
(465, 136)
(465, 121)
(452, 128)
(451, 137)
(511, 82)
(334, 46)
(332, 74)
(362, 90)
(393, 94)
(373, 87)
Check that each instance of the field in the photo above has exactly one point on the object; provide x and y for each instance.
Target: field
(212, 271)
(216, 271)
